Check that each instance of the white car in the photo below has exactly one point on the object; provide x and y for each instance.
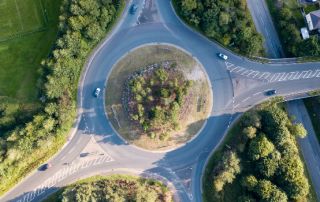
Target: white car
(222, 56)
(97, 92)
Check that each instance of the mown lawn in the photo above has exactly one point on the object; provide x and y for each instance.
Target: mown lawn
(27, 34)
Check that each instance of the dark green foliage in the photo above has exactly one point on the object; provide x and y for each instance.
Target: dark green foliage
(228, 22)
(82, 24)
(156, 100)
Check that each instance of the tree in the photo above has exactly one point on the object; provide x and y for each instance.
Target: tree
(224, 18)
(298, 130)
(270, 192)
(250, 132)
(268, 166)
(249, 182)
(291, 177)
(260, 147)
(251, 119)
(226, 170)
(162, 75)
(188, 6)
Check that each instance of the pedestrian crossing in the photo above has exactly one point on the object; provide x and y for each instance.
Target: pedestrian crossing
(272, 77)
(61, 175)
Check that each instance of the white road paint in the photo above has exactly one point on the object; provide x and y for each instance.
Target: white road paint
(62, 174)
(272, 77)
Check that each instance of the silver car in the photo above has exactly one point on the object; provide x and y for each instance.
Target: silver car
(97, 92)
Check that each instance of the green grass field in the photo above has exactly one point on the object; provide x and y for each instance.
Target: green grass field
(20, 16)
(27, 30)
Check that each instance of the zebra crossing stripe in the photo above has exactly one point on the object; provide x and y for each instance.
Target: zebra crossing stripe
(284, 77)
(240, 69)
(229, 65)
(255, 73)
(308, 75)
(265, 75)
(245, 72)
(291, 75)
(315, 73)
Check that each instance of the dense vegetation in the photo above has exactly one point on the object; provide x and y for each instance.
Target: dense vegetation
(228, 22)
(20, 57)
(288, 20)
(82, 24)
(156, 99)
(114, 188)
(261, 161)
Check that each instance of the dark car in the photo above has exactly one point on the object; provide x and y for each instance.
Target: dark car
(133, 9)
(271, 92)
(45, 167)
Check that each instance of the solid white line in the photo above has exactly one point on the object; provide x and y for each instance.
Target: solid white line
(246, 99)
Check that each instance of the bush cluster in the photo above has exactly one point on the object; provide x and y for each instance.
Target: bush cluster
(82, 24)
(271, 166)
(156, 100)
(114, 188)
(228, 22)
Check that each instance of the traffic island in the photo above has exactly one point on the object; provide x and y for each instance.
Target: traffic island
(158, 97)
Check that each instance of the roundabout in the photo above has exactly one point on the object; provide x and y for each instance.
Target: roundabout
(173, 110)
(233, 93)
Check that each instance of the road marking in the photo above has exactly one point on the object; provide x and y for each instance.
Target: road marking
(62, 174)
(257, 93)
(308, 75)
(272, 77)
(246, 99)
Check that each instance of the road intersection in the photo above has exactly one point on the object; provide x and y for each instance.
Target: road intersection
(233, 92)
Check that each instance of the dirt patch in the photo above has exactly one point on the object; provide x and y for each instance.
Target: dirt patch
(198, 107)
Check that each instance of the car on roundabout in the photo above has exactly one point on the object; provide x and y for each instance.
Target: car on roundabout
(133, 9)
(222, 56)
(97, 92)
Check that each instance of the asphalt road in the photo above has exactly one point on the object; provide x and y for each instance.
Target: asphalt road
(181, 167)
(309, 145)
(263, 21)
